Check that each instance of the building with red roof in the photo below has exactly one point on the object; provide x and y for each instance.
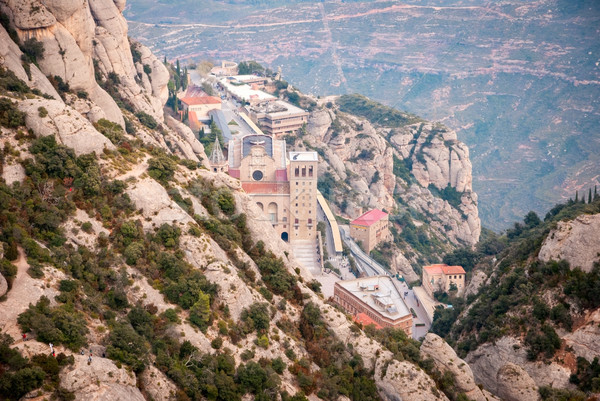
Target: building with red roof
(370, 229)
(197, 101)
(441, 277)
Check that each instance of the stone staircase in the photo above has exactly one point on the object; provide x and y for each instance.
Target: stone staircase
(305, 252)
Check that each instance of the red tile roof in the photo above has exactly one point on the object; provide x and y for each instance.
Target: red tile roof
(193, 121)
(369, 218)
(445, 269)
(195, 91)
(365, 320)
(192, 101)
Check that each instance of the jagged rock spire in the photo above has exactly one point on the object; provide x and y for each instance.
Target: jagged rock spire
(216, 155)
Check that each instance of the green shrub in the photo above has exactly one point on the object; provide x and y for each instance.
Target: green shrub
(200, 314)
(33, 50)
(10, 116)
(162, 168)
(375, 112)
(42, 112)
(256, 317)
(216, 343)
(58, 325)
(146, 119)
(127, 346)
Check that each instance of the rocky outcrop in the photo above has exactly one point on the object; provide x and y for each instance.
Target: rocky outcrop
(576, 241)
(514, 384)
(446, 360)
(441, 159)
(157, 385)
(488, 359)
(66, 124)
(3, 286)
(10, 58)
(77, 33)
(585, 340)
(99, 380)
(156, 205)
(360, 158)
(398, 381)
(477, 280)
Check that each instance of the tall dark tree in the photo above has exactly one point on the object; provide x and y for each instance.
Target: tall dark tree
(590, 195)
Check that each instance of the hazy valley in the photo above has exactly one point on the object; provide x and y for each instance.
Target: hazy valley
(519, 81)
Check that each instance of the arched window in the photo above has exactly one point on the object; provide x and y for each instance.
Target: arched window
(272, 211)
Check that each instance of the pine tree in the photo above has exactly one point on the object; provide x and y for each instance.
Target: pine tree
(590, 196)
(178, 69)
(595, 192)
(165, 60)
(576, 197)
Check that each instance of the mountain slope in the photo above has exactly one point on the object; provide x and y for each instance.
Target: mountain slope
(152, 277)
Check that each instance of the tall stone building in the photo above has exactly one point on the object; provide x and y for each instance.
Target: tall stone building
(370, 229)
(283, 184)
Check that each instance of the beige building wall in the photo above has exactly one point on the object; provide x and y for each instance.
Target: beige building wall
(303, 199)
(202, 110)
(433, 282)
(284, 125)
(371, 236)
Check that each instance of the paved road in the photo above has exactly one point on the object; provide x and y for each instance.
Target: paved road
(370, 267)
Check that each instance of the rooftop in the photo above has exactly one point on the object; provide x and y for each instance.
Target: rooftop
(365, 320)
(192, 101)
(445, 269)
(195, 91)
(278, 108)
(379, 293)
(245, 92)
(245, 78)
(304, 156)
(369, 218)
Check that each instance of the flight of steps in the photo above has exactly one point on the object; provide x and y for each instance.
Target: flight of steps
(305, 252)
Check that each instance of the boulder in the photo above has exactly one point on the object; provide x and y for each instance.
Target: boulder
(585, 340)
(399, 381)
(514, 384)
(446, 360)
(157, 206)
(488, 359)
(13, 173)
(68, 126)
(99, 380)
(577, 241)
(157, 385)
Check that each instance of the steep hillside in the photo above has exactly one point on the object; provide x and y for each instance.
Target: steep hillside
(150, 276)
(537, 304)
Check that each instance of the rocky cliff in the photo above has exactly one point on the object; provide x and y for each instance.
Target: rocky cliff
(417, 169)
(576, 241)
(86, 50)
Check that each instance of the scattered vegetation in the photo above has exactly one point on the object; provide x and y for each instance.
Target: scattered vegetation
(375, 112)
